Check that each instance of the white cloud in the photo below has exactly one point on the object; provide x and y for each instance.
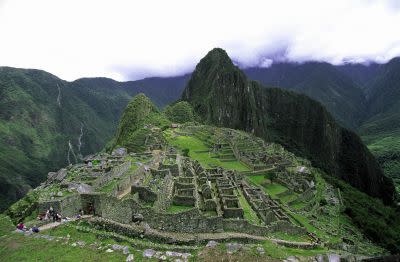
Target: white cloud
(133, 39)
(266, 62)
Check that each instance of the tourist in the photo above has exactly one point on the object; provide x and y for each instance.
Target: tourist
(53, 214)
(47, 216)
(35, 229)
(21, 226)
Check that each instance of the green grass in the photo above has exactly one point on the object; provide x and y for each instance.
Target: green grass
(6, 225)
(298, 205)
(178, 209)
(249, 213)
(280, 252)
(289, 237)
(20, 248)
(109, 186)
(258, 179)
(195, 147)
(274, 189)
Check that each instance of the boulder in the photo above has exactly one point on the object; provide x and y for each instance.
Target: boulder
(119, 152)
(51, 175)
(84, 188)
(212, 244)
(233, 247)
(149, 253)
(260, 250)
(130, 258)
(61, 174)
(125, 250)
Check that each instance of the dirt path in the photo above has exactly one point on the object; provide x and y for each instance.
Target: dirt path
(56, 224)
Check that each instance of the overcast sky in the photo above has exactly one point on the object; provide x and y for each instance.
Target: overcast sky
(128, 40)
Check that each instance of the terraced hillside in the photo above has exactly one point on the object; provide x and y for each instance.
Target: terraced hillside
(203, 184)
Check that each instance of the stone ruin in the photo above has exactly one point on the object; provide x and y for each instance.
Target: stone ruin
(133, 188)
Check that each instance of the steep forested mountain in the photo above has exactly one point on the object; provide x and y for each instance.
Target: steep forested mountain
(362, 74)
(364, 98)
(221, 94)
(46, 122)
(342, 96)
(381, 130)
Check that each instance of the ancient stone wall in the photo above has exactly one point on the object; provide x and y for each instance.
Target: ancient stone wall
(145, 193)
(115, 209)
(67, 206)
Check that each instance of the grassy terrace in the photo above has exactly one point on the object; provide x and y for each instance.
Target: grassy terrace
(274, 190)
(199, 151)
(178, 208)
(249, 213)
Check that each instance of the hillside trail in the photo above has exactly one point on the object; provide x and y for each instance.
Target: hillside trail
(56, 224)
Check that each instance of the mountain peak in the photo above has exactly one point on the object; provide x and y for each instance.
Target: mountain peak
(222, 95)
(216, 58)
(133, 117)
(218, 55)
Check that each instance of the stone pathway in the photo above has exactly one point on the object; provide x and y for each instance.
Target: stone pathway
(56, 224)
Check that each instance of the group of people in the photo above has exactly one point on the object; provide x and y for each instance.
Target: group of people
(50, 214)
(22, 228)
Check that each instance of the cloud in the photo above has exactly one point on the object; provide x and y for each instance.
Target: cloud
(126, 39)
(266, 62)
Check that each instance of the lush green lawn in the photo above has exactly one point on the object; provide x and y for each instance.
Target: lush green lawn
(6, 225)
(274, 189)
(258, 179)
(249, 213)
(20, 248)
(280, 252)
(196, 151)
(178, 209)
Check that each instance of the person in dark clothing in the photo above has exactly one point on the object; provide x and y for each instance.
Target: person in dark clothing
(35, 229)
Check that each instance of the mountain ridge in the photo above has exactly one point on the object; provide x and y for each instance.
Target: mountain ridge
(278, 116)
(46, 122)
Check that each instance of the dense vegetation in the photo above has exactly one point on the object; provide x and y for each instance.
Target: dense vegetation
(381, 223)
(362, 97)
(341, 96)
(381, 130)
(40, 115)
(180, 112)
(137, 122)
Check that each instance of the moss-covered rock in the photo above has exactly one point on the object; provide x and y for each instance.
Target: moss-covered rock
(138, 122)
(180, 112)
